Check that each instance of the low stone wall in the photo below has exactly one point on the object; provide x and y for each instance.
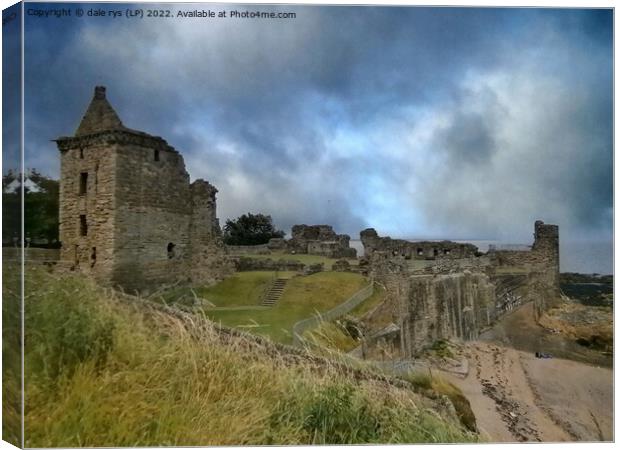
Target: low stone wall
(31, 254)
(244, 264)
(261, 249)
(300, 327)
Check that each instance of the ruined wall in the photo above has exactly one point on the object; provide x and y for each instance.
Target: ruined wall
(207, 250)
(318, 240)
(456, 298)
(443, 307)
(415, 250)
(153, 214)
(541, 264)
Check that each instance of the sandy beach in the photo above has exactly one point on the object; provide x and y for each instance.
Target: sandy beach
(517, 397)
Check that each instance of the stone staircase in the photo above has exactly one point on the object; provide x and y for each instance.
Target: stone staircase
(275, 292)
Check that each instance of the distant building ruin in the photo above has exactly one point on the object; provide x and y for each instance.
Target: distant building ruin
(428, 250)
(318, 240)
(129, 215)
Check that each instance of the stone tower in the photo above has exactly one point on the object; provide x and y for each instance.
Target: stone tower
(128, 213)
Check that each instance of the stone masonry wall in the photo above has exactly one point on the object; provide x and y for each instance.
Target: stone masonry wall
(154, 210)
(456, 298)
(94, 198)
(446, 306)
(415, 250)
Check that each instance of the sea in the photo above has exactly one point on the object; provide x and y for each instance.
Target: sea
(581, 257)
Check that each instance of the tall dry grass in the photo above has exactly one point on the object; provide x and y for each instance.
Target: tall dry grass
(104, 372)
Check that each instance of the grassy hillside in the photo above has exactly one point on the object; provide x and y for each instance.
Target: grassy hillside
(104, 372)
(337, 335)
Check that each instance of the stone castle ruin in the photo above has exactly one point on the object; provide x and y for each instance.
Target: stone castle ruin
(427, 250)
(443, 290)
(130, 218)
(318, 240)
(129, 215)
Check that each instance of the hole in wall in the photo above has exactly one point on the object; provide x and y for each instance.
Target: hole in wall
(83, 225)
(83, 182)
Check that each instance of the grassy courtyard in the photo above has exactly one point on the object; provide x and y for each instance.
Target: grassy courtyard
(302, 298)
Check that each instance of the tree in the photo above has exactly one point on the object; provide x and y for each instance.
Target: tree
(40, 208)
(250, 229)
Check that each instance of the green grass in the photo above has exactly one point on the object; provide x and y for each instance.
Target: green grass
(242, 289)
(443, 387)
(442, 349)
(328, 337)
(11, 353)
(303, 258)
(332, 336)
(377, 297)
(101, 372)
(302, 298)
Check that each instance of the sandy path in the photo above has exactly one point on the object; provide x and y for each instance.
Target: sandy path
(517, 397)
(577, 396)
(504, 404)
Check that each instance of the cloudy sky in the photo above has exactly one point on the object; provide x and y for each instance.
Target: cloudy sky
(420, 122)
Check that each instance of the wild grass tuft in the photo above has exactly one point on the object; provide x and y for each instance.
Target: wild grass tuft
(429, 381)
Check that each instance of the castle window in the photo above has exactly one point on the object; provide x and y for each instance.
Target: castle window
(435, 252)
(420, 251)
(83, 225)
(83, 182)
(93, 256)
(81, 153)
(170, 250)
(156, 155)
(446, 251)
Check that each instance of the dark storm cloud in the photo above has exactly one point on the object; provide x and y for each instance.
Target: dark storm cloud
(469, 138)
(11, 86)
(441, 122)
